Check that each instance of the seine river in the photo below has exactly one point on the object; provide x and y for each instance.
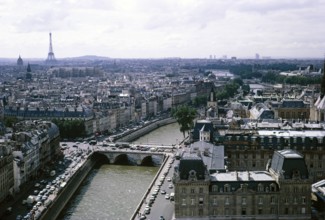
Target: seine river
(113, 192)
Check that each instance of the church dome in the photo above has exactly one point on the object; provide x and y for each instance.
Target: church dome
(20, 61)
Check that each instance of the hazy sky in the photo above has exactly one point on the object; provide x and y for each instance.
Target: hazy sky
(163, 28)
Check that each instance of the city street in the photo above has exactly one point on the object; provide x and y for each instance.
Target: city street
(161, 206)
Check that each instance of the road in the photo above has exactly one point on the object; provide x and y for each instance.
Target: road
(161, 206)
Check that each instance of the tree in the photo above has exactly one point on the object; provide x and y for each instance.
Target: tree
(70, 129)
(184, 116)
(200, 100)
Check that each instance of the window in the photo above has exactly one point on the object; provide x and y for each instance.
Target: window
(192, 190)
(260, 211)
(286, 200)
(183, 201)
(227, 211)
(272, 210)
(200, 212)
(215, 201)
(243, 201)
(214, 188)
(295, 200)
(260, 187)
(272, 200)
(192, 201)
(303, 200)
(272, 187)
(303, 210)
(183, 190)
(200, 201)
(201, 190)
(286, 211)
(260, 200)
(243, 211)
(227, 201)
(227, 188)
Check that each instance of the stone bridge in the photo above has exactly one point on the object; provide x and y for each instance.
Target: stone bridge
(133, 157)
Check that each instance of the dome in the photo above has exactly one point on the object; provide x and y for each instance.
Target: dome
(20, 61)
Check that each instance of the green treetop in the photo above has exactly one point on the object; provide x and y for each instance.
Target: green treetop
(184, 116)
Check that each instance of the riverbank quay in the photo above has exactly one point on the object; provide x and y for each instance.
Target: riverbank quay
(71, 151)
(132, 135)
(60, 201)
(143, 199)
(158, 201)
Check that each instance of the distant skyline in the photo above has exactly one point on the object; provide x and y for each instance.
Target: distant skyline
(163, 28)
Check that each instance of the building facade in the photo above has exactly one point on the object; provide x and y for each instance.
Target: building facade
(6, 171)
(280, 192)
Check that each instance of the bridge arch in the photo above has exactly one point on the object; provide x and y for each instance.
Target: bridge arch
(100, 158)
(147, 161)
(122, 159)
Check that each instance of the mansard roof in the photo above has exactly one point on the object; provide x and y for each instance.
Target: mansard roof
(189, 163)
(293, 103)
(289, 164)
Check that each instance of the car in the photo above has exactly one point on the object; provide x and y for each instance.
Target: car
(161, 218)
(169, 179)
(36, 192)
(170, 186)
(167, 196)
(163, 191)
(27, 216)
(142, 217)
(147, 210)
(37, 185)
(159, 183)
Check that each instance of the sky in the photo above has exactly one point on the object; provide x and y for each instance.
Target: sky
(163, 28)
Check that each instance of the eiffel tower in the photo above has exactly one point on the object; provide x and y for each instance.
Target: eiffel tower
(50, 56)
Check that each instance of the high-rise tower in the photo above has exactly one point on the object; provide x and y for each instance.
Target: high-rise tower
(50, 56)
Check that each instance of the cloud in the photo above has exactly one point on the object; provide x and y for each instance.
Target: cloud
(188, 28)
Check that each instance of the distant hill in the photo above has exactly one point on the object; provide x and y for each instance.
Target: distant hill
(86, 57)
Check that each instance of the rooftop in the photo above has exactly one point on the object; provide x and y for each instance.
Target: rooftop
(242, 176)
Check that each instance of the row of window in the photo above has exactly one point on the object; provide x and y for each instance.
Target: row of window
(260, 188)
(231, 140)
(260, 201)
(243, 211)
(227, 201)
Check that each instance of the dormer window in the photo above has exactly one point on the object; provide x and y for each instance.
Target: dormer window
(227, 188)
(192, 175)
(260, 187)
(295, 174)
(272, 187)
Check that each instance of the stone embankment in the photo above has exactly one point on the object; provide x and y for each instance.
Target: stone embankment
(133, 135)
(67, 192)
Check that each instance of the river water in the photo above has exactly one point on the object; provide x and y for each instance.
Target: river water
(114, 191)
